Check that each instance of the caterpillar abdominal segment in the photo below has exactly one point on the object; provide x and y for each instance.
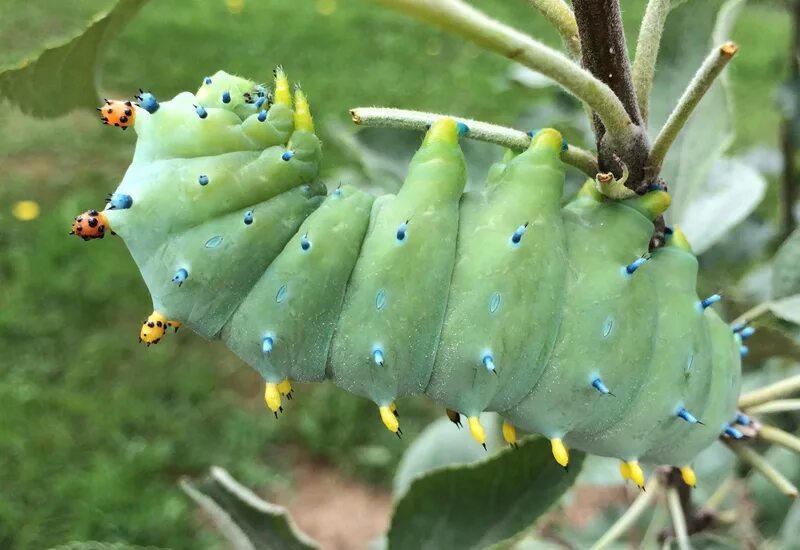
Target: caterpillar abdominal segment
(503, 300)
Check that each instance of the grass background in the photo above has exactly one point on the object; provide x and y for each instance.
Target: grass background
(94, 428)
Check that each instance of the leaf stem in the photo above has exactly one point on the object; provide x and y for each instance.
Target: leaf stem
(644, 64)
(779, 437)
(776, 406)
(481, 131)
(762, 466)
(697, 88)
(462, 19)
(771, 392)
(752, 313)
(630, 516)
(563, 19)
(678, 519)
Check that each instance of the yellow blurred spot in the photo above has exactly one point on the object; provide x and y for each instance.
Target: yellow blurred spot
(509, 433)
(26, 210)
(234, 6)
(560, 452)
(285, 387)
(326, 7)
(433, 47)
(476, 430)
(635, 473)
(302, 112)
(389, 419)
(282, 94)
(689, 477)
(624, 471)
(272, 397)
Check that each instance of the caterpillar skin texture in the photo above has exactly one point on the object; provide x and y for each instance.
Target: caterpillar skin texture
(503, 300)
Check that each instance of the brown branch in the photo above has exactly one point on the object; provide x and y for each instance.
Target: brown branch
(605, 54)
(788, 139)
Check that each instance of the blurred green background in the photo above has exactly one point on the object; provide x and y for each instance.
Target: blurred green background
(95, 430)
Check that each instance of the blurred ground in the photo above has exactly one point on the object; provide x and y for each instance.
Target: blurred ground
(95, 429)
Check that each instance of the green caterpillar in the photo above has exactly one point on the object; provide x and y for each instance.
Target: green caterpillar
(556, 317)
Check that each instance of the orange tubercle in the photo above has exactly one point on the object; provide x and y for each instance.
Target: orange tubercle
(118, 113)
(90, 225)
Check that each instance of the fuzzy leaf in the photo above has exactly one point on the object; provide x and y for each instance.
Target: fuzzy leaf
(477, 505)
(787, 309)
(59, 76)
(785, 275)
(247, 521)
(443, 444)
(732, 190)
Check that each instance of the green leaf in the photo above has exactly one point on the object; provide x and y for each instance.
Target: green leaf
(785, 275)
(478, 505)
(443, 444)
(60, 75)
(731, 191)
(787, 308)
(247, 521)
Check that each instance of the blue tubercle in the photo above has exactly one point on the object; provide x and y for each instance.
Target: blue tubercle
(743, 419)
(634, 265)
(687, 416)
(732, 432)
(262, 116)
(746, 332)
(266, 344)
(488, 362)
(147, 101)
(401, 231)
(287, 155)
(743, 351)
(207, 80)
(201, 111)
(463, 129)
(180, 276)
(305, 244)
(248, 217)
(711, 300)
(226, 97)
(598, 384)
(516, 237)
(202, 180)
(377, 356)
(120, 201)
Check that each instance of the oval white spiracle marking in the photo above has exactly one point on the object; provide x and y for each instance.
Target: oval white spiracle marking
(494, 302)
(214, 241)
(687, 370)
(380, 299)
(281, 294)
(607, 326)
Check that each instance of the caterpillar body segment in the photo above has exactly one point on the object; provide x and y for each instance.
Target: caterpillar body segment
(600, 327)
(500, 300)
(298, 299)
(385, 342)
(510, 243)
(681, 338)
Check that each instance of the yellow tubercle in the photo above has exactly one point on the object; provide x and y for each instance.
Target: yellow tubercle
(285, 387)
(476, 430)
(509, 433)
(175, 324)
(560, 452)
(634, 472)
(652, 204)
(389, 419)
(154, 328)
(548, 138)
(444, 129)
(689, 477)
(283, 95)
(678, 239)
(302, 112)
(589, 191)
(272, 396)
(393, 408)
(624, 471)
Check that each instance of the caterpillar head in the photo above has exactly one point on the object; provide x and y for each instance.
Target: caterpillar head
(118, 113)
(90, 225)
